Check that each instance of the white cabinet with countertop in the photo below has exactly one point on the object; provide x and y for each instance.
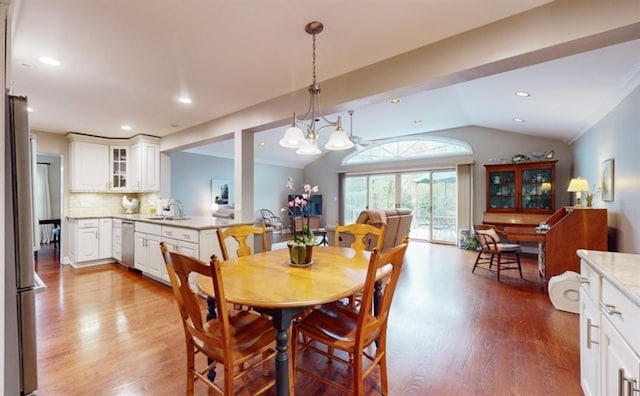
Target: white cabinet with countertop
(90, 241)
(610, 323)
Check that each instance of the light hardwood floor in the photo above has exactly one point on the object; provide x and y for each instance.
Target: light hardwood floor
(110, 331)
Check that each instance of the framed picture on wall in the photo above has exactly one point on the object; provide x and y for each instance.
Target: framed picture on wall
(607, 180)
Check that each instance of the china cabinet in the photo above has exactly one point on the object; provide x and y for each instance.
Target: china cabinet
(527, 187)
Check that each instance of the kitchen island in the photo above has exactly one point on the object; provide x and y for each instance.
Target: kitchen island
(97, 240)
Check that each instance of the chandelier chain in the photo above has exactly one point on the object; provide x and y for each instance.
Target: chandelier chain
(314, 59)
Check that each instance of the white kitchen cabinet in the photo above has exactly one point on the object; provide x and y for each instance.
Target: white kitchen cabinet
(89, 163)
(105, 238)
(589, 344)
(620, 363)
(609, 323)
(619, 343)
(145, 166)
(117, 165)
(119, 168)
(116, 236)
(147, 256)
(90, 241)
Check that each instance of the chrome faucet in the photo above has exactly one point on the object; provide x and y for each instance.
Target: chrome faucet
(178, 204)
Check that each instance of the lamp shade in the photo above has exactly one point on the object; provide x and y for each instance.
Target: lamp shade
(339, 140)
(293, 138)
(308, 148)
(578, 185)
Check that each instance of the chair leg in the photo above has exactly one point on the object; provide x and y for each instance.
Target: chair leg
(190, 368)
(476, 263)
(499, 265)
(519, 267)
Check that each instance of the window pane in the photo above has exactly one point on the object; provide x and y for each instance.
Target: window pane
(382, 191)
(355, 191)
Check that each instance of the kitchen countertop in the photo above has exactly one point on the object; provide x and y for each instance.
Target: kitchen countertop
(621, 269)
(192, 222)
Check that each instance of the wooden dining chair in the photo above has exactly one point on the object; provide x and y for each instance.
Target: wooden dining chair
(366, 236)
(357, 332)
(240, 233)
(240, 342)
(491, 249)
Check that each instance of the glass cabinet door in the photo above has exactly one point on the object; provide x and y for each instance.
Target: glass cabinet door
(119, 167)
(536, 189)
(502, 189)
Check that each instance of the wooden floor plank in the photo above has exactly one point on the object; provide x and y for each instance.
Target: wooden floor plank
(110, 331)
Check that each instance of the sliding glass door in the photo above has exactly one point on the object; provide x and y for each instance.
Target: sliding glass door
(431, 195)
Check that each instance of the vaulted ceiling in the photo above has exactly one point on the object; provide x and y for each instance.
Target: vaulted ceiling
(128, 62)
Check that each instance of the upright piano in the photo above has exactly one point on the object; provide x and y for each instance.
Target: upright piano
(567, 230)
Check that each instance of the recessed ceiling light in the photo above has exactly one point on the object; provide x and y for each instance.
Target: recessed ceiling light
(394, 101)
(29, 109)
(518, 120)
(49, 61)
(262, 144)
(185, 100)
(126, 127)
(523, 94)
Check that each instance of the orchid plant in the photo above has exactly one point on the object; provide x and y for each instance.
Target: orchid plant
(300, 204)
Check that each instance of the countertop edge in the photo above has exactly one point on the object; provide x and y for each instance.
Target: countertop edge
(194, 222)
(595, 259)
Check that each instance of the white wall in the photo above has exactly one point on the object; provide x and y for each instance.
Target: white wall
(616, 136)
(190, 175)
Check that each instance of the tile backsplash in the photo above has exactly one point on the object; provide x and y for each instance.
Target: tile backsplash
(107, 204)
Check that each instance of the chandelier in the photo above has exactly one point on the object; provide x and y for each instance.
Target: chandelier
(294, 137)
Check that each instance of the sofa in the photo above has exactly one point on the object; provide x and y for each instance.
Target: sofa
(223, 212)
(398, 222)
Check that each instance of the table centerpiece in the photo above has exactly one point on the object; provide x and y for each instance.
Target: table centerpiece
(302, 243)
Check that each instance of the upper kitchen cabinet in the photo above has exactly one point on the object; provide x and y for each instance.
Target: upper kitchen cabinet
(145, 164)
(527, 187)
(114, 165)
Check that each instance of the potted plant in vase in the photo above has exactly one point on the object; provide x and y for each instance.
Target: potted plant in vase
(301, 244)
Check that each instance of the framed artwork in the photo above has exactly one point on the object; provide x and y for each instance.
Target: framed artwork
(219, 191)
(607, 180)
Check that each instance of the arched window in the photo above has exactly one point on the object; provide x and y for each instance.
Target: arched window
(406, 148)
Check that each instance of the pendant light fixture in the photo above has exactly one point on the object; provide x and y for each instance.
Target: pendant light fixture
(294, 136)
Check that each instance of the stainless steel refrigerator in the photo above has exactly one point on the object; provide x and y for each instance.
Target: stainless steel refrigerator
(20, 360)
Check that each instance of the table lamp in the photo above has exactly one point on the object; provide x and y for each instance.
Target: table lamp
(578, 185)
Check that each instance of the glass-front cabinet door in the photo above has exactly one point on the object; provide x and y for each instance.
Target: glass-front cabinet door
(527, 187)
(502, 189)
(536, 189)
(119, 169)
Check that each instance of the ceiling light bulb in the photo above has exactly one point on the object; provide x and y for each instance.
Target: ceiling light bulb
(49, 61)
(185, 100)
(395, 101)
(523, 94)
(518, 120)
(29, 109)
(126, 127)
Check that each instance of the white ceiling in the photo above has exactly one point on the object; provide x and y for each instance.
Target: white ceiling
(127, 62)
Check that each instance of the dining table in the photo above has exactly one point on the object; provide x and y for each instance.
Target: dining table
(268, 282)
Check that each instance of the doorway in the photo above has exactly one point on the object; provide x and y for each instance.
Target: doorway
(48, 199)
(431, 194)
